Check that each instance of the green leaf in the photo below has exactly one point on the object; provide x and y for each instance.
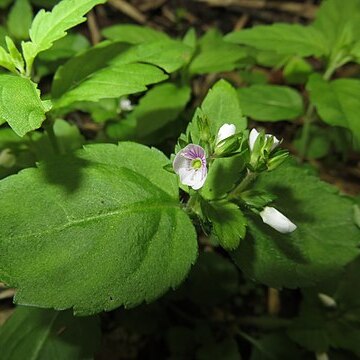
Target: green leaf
(19, 19)
(324, 242)
(270, 102)
(156, 108)
(48, 27)
(47, 334)
(112, 82)
(228, 222)
(216, 55)
(5, 3)
(337, 102)
(221, 105)
(287, 39)
(169, 55)
(319, 143)
(339, 22)
(79, 68)
(6, 60)
(297, 70)
(133, 34)
(20, 104)
(15, 55)
(66, 47)
(107, 207)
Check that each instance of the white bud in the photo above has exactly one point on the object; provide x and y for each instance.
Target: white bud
(7, 158)
(225, 131)
(277, 220)
(125, 104)
(327, 300)
(254, 135)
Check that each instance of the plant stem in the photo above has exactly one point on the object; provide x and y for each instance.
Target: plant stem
(248, 179)
(49, 127)
(309, 115)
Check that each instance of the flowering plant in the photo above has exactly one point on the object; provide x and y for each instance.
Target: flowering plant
(116, 190)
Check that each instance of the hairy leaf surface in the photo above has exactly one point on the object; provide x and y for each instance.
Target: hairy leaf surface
(20, 104)
(95, 231)
(324, 242)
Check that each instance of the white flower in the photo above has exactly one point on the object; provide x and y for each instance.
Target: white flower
(254, 135)
(125, 104)
(327, 300)
(277, 220)
(225, 131)
(190, 165)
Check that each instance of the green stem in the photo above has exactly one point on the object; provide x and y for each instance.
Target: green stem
(49, 127)
(248, 179)
(310, 112)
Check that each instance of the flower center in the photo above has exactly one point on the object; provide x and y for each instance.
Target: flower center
(196, 164)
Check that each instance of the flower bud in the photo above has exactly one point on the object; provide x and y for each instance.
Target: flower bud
(277, 220)
(277, 160)
(227, 146)
(327, 300)
(224, 132)
(7, 158)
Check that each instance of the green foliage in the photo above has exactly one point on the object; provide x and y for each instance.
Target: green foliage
(133, 34)
(169, 55)
(112, 82)
(48, 27)
(316, 250)
(284, 39)
(123, 203)
(164, 103)
(79, 67)
(47, 334)
(270, 102)
(21, 105)
(229, 223)
(337, 102)
(215, 55)
(19, 19)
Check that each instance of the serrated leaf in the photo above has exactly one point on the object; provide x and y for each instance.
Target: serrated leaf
(112, 82)
(49, 26)
(270, 102)
(47, 334)
(169, 55)
(20, 104)
(73, 72)
(114, 232)
(337, 102)
(216, 55)
(133, 34)
(19, 19)
(15, 55)
(324, 242)
(162, 103)
(6, 60)
(286, 39)
(228, 222)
